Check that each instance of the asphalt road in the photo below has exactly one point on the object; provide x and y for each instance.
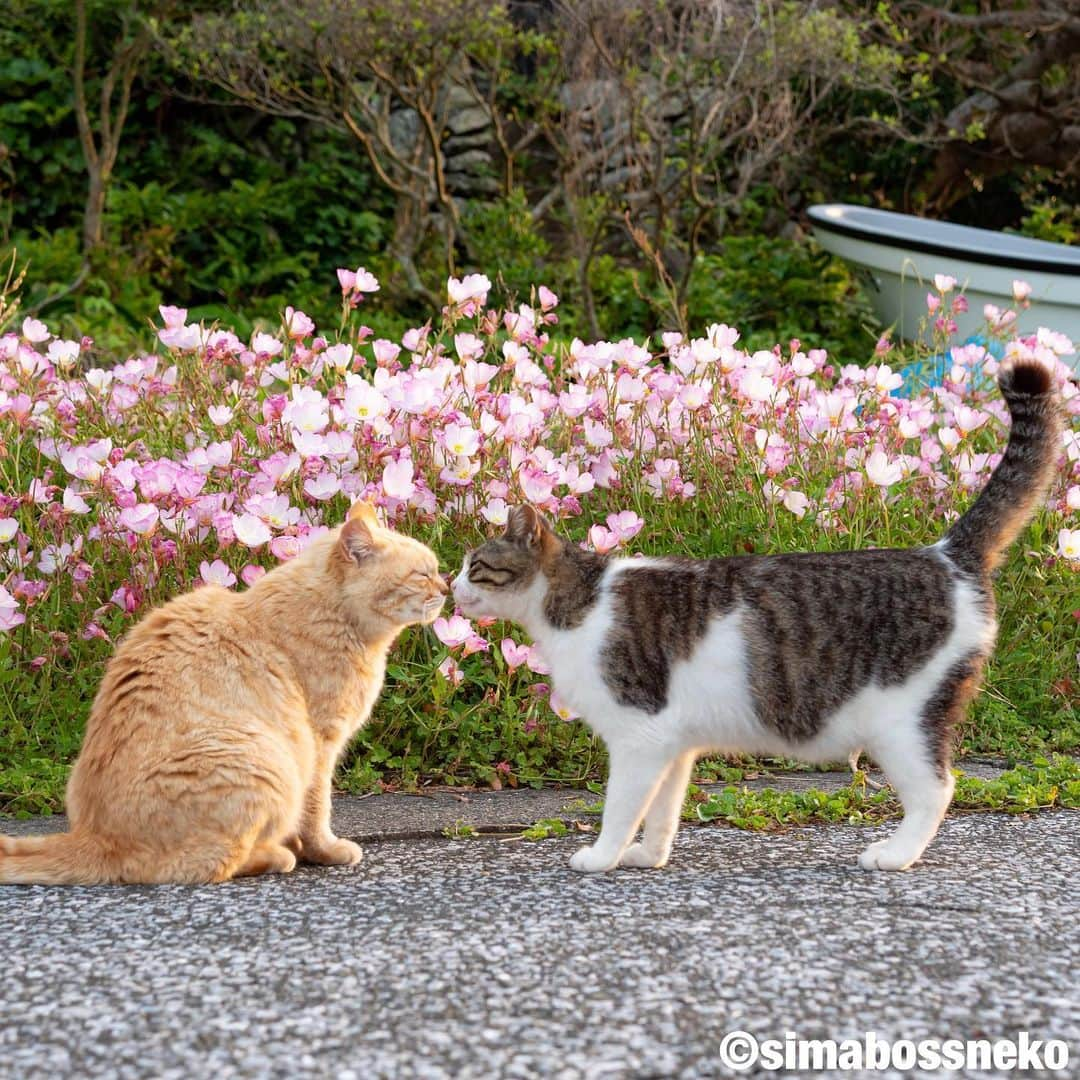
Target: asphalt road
(487, 957)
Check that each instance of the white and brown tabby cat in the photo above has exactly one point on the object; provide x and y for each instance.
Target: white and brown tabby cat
(212, 741)
(810, 656)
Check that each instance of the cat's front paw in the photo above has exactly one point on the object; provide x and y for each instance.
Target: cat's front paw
(640, 856)
(333, 852)
(880, 856)
(588, 860)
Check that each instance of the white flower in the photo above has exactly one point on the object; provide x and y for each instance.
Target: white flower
(251, 531)
(266, 344)
(63, 353)
(471, 287)
(322, 487)
(397, 479)
(1069, 544)
(881, 471)
(461, 440)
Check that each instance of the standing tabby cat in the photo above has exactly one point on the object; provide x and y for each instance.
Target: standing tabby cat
(810, 656)
(211, 745)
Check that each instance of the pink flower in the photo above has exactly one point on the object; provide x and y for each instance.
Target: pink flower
(561, 708)
(468, 347)
(355, 282)
(217, 573)
(944, 283)
(365, 282)
(285, 547)
(10, 616)
(8, 528)
(536, 663)
(35, 331)
(386, 352)
(251, 573)
(452, 632)
(625, 525)
(219, 415)
(1021, 290)
(968, 420)
(932, 303)
(181, 338)
(603, 540)
(397, 479)
(474, 643)
(141, 519)
(514, 654)
(548, 299)
(469, 294)
(450, 671)
(173, 317)
(536, 486)
(297, 324)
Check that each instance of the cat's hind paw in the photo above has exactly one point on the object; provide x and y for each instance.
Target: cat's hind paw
(587, 860)
(638, 855)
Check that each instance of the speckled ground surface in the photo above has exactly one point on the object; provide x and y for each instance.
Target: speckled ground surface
(410, 816)
(481, 958)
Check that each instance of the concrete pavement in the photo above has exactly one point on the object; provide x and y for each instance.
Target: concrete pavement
(489, 957)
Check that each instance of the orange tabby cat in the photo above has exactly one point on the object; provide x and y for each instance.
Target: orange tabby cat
(211, 745)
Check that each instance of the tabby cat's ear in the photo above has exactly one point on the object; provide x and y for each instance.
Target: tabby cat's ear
(524, 526)
(357, 541)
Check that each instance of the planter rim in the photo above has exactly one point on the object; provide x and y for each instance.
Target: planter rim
(906, 231)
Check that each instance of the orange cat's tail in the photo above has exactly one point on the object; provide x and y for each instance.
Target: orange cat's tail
(61, 859)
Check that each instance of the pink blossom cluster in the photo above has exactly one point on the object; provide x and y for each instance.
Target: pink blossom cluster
(212, 456)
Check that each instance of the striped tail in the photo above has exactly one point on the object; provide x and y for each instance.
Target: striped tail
(980, 538)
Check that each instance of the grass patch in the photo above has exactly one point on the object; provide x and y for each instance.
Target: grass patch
(1043, 785)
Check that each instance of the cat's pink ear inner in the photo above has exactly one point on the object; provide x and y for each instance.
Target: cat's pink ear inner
(524, 525)
(357, 541)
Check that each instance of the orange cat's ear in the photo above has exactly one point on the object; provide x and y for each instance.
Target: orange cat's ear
(524, 525)
(364, 510)
(357, 541)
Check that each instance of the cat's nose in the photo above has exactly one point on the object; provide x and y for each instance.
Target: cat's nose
(444, 586)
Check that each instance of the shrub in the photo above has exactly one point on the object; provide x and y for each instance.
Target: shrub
(215, 457)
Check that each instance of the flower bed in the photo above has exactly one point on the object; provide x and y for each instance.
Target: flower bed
(213, 458)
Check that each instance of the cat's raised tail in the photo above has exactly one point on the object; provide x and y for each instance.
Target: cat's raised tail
(58, 859)
(980, 538)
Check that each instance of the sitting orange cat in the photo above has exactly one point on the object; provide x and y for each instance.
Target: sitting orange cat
(211, 745)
